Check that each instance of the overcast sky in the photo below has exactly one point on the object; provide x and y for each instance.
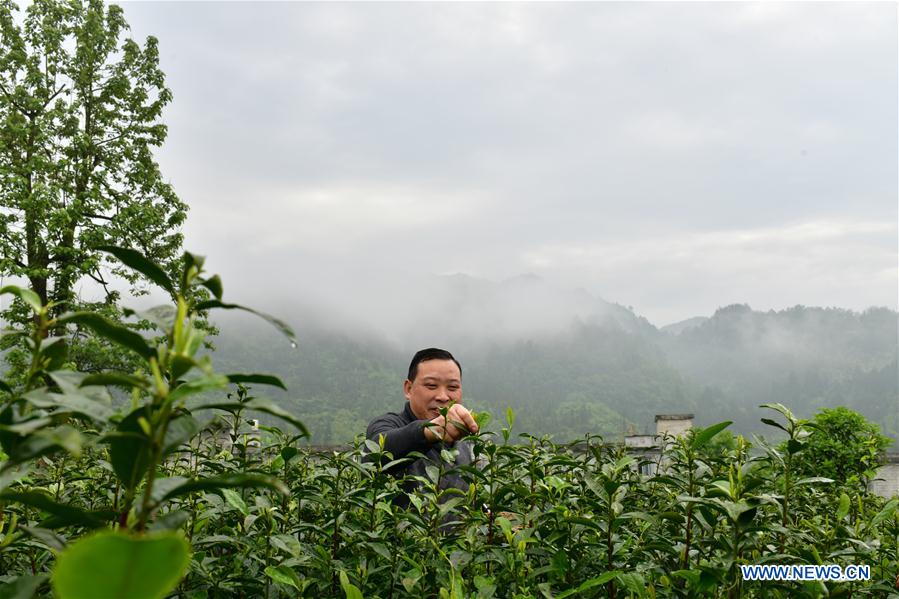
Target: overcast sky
(671, 157)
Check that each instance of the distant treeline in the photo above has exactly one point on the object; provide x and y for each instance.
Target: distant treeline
(601, 377)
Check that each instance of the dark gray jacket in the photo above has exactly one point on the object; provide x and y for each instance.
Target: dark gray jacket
(404, 433)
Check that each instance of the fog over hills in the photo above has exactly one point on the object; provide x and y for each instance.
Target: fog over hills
(677, 328)
(456, 309)
(567, 362)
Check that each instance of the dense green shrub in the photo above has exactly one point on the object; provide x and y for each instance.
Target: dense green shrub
(844, 446)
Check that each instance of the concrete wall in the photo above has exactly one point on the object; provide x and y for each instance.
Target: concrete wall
(888, 485)
(674, 424)
(640, 441)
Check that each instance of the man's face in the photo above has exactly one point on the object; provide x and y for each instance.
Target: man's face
(437, 384)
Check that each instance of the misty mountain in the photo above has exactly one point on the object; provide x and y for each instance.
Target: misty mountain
(571, 364)
(804, 357)
(679, 327)
(456, 310)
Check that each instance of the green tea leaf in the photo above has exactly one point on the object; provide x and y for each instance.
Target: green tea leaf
(226, 481)
(40, 443)
(214, 285)
(129, 450)
(137, 261)
(482, 418)
(198, 385)
(193, 264)
(28, 296)
(409, 583)
(284, 575)
(589, 584)
(486, 588)
(794, 446)
(22, 587)
(691, 576)
(70, 381)
(13, 475)
(283, 327)
(633, 582)
(235, 501)
(117, 379)
(259, 379)
(891, 507)
(779, 407)
(289, 544)
(181, 365)
(372, 446)
(351, 590)
(381, 550)
(69, 403)
(774, 423)
(705, 435)
(109, 330)
(66, 514)
(843, 508)
(172, 520)
(120, 566)
(723, 485)
(50, 538)
(163, 486)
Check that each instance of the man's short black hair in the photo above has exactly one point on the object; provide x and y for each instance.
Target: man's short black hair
(431, 353)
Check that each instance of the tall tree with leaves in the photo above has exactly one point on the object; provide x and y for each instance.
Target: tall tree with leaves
(80, 109)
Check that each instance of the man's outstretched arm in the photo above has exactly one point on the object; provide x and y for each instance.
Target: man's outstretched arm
(400, 438)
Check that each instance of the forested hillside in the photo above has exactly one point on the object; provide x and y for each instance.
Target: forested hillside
(810, 357)
(602, 370)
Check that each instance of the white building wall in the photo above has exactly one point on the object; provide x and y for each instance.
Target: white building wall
(667, 425)
(887, 484)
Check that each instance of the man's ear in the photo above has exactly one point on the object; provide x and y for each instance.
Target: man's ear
(407, 389)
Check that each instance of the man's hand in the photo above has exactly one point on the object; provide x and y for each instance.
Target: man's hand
(457, 424)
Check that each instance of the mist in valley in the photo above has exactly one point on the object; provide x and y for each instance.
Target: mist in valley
(570, 363)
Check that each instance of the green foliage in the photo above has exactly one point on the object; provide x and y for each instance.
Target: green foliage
(80, 110)
(539, 520)
(842, 445)
(120, 566)
(37, 423)
(79, 117)
(157, 500)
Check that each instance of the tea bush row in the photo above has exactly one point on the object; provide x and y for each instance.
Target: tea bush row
(151, 501)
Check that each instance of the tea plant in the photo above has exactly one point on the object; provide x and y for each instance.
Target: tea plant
(65, 414)
(179, 494)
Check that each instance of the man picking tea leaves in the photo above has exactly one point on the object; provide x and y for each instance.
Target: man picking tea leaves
(433, 384)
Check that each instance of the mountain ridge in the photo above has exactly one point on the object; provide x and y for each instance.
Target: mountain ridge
(591, 366)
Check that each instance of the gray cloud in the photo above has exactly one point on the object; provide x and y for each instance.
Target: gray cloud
(675, 157)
